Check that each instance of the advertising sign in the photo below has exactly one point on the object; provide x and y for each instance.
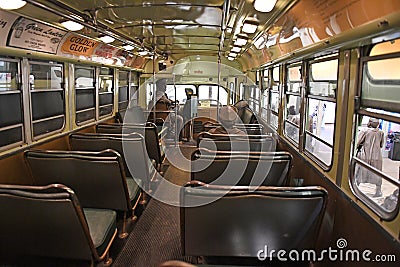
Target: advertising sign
(32, 35)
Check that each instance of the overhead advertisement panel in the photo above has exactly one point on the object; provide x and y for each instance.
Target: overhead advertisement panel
(32, 35)
(6, 21)
(78, 45)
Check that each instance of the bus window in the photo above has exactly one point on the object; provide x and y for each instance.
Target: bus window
(321, 109)
(274, 98)
(211, 92)
(376, 156)
(293, 101)
(106, 91)
(47, 97)
(265, 93)
(11, 123)
(85, 100)
(123, 90)
(180, 91)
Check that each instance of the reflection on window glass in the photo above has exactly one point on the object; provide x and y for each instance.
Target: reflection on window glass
(378, 145)
(8, 75)
(292, 116)
(294, 79)
(44, 76)
(275, 101)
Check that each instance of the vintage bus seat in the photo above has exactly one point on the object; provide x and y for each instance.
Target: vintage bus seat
(48, 221)
(251, 129)
(224, 142)
(130, 146)
(249, 219)
(135, 114)
(148, 130)
(241, 168)
(97, 178)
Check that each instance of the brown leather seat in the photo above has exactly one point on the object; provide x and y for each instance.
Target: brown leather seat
(131, 147)
(225, 142)
(48, 221)
(244, 220)
(148, 130)
(240, 168)
(98, 178)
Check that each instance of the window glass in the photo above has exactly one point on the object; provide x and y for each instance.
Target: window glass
(323, 78)
(378, 145)
(123, 90)
(292, 121)
(376, 157)
(211, 92)
(8, 76)
(47, 97)
(45, 76)
(180, 92)
(85, 99)
(294, 79)
(321, 108)
(11, 122)
(106, 91)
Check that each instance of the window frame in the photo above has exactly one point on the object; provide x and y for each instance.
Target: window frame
(44, 91)
(99, 107)
(93, 88)
(331, 99)
(125, 103)
(299, 94)
(19, 91)
(359, 111)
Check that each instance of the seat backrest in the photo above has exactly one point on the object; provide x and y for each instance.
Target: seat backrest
(43, 221)
(240, 168)
(224, 142)
(131, 147)
(246, 219)
(148, 130)
(97, 178)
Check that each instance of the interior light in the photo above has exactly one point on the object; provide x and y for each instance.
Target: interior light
(231, 58)
(72, 25)
(128, 47)
(11, 4)
(260, 42)
(240, 41)
(264, 5)
(143, 53)
(106, 39)
(236, 49)
(249, 26)
(232, 54)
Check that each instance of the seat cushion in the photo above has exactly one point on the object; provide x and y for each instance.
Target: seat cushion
(102, 225)
(134, 186)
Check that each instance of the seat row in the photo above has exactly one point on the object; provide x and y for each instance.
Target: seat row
(80, 195)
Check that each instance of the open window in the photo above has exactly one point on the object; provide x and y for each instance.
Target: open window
(376, 154)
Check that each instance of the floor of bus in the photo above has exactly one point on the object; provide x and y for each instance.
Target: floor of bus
(155, 237)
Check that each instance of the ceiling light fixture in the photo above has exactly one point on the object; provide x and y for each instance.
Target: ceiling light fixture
(264, 5)
(11, 4)
(250, 26)
(241, 40)
(128, 47)
(236, 49)
(232, 54)
(143, 53)
(72, 25)
(107, 39)
(231, 58)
